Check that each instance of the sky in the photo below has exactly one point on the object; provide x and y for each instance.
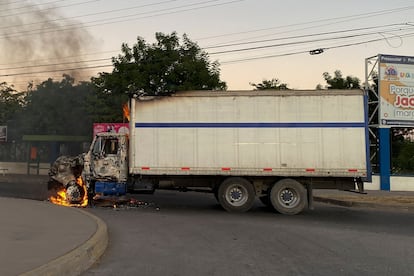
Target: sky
(253, 40)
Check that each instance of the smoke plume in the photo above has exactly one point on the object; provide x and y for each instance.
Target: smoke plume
(33, 34)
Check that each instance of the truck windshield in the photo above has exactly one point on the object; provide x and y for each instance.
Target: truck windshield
(111, 146)
(105, 146)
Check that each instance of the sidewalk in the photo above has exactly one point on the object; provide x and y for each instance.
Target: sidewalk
(375, 199)
(39, 238)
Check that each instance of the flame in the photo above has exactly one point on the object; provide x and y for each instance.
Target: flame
(61, 199)
(125, 109)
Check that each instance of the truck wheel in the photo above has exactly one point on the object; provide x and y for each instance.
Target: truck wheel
(288, 197)
(236, 194)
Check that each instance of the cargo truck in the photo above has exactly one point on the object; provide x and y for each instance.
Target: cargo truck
(276, 146)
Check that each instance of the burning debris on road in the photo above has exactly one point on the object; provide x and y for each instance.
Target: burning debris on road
(122, 203)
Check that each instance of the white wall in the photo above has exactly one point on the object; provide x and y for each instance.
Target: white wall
(21, 168)
(397, 183)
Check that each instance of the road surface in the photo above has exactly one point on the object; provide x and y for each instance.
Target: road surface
(189, 234)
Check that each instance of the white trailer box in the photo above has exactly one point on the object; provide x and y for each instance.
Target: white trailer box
(251, 133)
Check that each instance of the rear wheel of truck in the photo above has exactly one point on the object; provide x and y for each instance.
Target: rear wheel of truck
(236, 194)
(288, 197)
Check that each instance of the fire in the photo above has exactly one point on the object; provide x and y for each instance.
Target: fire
(125, 109)
(61, 198)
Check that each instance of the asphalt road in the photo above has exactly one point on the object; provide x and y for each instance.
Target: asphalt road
(189, 234)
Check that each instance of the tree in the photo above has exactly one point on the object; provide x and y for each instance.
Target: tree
(161, 68)
(402, 156)
(106, 107)
(338, 82)
(273, 84)
(57, 107)
(10, 102)
(319, 87)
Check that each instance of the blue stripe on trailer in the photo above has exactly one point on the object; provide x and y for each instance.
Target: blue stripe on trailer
(254, 125)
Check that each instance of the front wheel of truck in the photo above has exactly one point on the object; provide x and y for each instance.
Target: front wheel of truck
(236, 194)
(288, 197)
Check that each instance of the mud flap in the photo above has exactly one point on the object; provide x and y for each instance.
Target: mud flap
(360, 185)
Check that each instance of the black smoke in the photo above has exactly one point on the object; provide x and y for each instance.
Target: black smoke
(33, 34)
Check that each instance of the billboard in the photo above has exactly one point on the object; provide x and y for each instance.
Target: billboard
(3, 134)
(396, 90)
(110, 127)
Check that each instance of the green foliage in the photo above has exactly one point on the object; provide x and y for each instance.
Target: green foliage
(402, 156)
(339, 82)
(57, 107)
(105, 107)
(273, 84)
(161, 68)
(11, 102)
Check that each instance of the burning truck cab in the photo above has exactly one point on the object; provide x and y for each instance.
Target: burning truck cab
(106, 164)
(102, 171)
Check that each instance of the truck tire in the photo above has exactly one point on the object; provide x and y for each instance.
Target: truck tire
(288, 197)
(236, 194)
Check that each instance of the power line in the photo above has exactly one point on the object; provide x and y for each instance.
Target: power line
(87, 15)
(61, 58)
(10, 3)
(228, 51)
(30, 6)
(350, 17)
(222, 63)
(56, 70)
(76, 26)
(30, 78)
(224, 45)
(307, 51)
(55, 64)
(289, 44)
(46, 9)
(308, 35)
(250, 31)
(286, 44)
(369, 41)
(226, 62)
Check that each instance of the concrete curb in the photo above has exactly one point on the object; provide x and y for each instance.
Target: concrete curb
(79, 259)
(347, 203)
